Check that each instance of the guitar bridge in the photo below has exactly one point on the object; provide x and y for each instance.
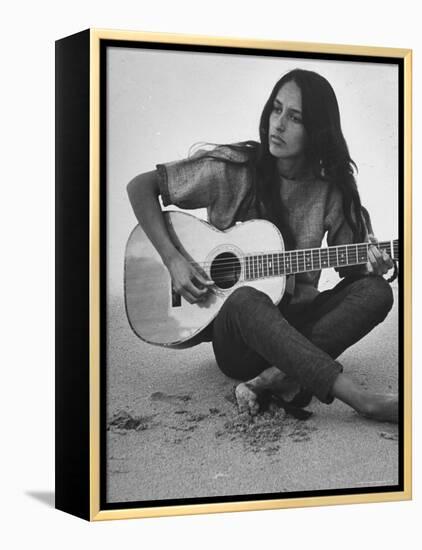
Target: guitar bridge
(176, 298)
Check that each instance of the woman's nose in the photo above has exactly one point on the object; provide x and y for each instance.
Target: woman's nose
(281, 123)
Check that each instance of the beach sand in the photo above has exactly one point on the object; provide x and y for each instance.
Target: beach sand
(174, 432)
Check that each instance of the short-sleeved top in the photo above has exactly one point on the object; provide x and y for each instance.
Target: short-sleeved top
(314, 207)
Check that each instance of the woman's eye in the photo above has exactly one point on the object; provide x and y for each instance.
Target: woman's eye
(277, 110)
(296, 118)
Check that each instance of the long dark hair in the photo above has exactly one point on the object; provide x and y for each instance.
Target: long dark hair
(326, 151)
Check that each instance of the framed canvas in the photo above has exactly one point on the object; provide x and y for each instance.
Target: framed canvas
(233, 274)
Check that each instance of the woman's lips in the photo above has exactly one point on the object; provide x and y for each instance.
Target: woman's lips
(278, 140)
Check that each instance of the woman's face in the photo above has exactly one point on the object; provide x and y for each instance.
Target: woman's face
(286, 136)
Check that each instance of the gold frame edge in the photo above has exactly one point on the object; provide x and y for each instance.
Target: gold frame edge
(407, 282)
(245, 42)
(249, 506)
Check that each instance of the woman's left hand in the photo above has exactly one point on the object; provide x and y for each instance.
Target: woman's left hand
(379, 262)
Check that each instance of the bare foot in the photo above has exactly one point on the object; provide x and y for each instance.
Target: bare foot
(377, 406)
(247, 400)
(381, 407)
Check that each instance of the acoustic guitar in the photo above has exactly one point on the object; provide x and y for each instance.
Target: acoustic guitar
(250, 253)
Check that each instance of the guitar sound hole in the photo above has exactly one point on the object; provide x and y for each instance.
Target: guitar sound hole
(225, 270)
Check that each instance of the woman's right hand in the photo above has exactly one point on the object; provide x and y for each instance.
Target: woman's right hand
(188, 280)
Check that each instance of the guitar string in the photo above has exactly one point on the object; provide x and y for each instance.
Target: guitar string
(267, 265)
(301, 266)
(256, 276)
(281, 258)
(261, 272)
(305, 251)
(384, 244)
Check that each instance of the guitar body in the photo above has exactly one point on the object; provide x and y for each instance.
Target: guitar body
(160, 316)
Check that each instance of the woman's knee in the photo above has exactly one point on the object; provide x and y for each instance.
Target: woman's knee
(379, 294)
(245, 297)
(243, 305)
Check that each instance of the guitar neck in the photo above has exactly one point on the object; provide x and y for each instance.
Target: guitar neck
(291, 262)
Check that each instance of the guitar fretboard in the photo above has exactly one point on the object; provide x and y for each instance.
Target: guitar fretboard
(314, 259)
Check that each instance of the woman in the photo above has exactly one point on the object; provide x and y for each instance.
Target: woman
(300, 177)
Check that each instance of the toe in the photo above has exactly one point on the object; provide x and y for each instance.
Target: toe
(253, 407)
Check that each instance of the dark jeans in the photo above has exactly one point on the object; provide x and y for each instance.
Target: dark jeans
(251, 334)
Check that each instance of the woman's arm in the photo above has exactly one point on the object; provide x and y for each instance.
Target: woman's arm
(143, 194)
(188, 281)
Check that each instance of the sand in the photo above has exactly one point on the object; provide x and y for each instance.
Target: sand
(174, 432)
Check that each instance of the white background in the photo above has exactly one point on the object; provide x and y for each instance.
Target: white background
(27, 229)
